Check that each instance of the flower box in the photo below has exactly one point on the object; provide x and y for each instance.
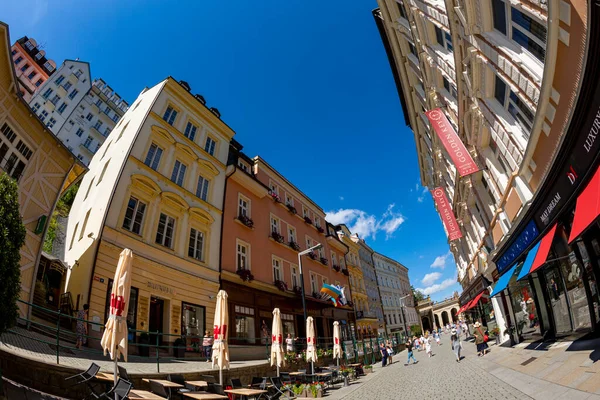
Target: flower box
(294, 245)
(245, 274)
(346, 272)
(320, 229)
(246, 221)
(336, 268)
(291, 208)
(275, 197)
(312, 255)
(308, 220)
(316, 295)
(323, 260)
(298, 290)
(277, 237)
(281, 285)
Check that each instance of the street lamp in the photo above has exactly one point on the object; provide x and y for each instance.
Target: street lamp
(403, 315)
(303, 253)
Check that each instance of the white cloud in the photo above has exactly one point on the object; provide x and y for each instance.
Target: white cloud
(342, 198)
(420, 199)
(431, 278)
(440, 261)
(423, 193)
(367, 225)
(438, 287)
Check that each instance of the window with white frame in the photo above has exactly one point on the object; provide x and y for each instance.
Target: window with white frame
(170, 115)
(295, 276)
(210, 146)
(62, 108)
(88, 142)
(443, 38)
(289, 200)
(196, 244)
(153, 156)
(514, 105)
(178, 172)
(309, 243)
(275, 224)
(274, 188)
(292, 234)
(496, 151)
(313, 283)
(450, 88)
(317, 221)
(305, 212)
(51, 122)
(134, 215)
(202, 188)
(14, 153)
(164, 233)
(190, 131)
(521, 27)
(243, 206)
(243, 255)
(333, 259)
(277, 273)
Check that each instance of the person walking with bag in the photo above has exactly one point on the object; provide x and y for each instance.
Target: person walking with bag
(456, 344)
(481, 339)
(384, 354)
(409, 350)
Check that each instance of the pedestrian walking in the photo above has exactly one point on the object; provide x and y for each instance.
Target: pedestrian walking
(436, 336)
(409, 350)
(82, 326)
(384, 354)
(428, 344)
(481, 339)
(390, 352)
(466, 329)
(207, 343)
(456, 344)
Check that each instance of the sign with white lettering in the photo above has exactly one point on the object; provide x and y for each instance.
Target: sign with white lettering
(454, 146)
(446, 213)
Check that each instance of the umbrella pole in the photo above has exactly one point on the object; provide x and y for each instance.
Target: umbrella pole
(277, 370)
(115, 366)
(221, 376)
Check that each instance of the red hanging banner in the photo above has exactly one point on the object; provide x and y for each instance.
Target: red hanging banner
(448, 218)
(454, 146)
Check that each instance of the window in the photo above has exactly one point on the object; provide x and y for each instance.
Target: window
(89, 117)
(210, 145)
(43, 115)
(313, 283)
(79, 132)
(47, 93)
(78, 73)
(106, 131)
(67, 86)
(103, 172)
(170, 115)
(59, 80)
(202, 188)
(62, 108)
(277, 274)
(333, 259)
(289, 200)
(450, 88)
(193, 323)
(13, 159)
(515, 106)
(488, 190)
(88, 142)
(85, 221)
(51, 123)
(500, 90)
(274, 188)
(153, 156)
(73, 94)
(292, 234)
(134, 215)
(244, 325)
(402, 10)
(295, 276)
(304, 212)
(243, 253)
(36, 107)
(413, 49)
(196, 245)
(18, 60)
(190, 131)
(317, 221)
(178, 172)
(164, 233)
(24, 67)
(55, 99)
(31, 75)
(39, 82)
(274, 224)
(439, 35)
(243, 206)
(98, 125)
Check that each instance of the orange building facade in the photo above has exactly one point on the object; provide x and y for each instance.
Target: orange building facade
(267, 221)
(31, 66)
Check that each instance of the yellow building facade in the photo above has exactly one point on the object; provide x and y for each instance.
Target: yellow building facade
(39, 162)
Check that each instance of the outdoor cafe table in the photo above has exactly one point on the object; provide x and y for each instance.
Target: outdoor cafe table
(205, 396)
(143, 394)
(246, 392)
(103, 376)
(197, 383)
(165, 383)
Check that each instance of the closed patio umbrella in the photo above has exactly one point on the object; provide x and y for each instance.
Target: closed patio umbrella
(114, 338)
(337, 344)
(277, 355)
(311, 343)
(220, 350)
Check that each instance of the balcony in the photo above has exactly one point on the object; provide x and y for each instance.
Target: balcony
(61, 91)
(96, 131)
(365, 315)
(73, 79)
(87, 149)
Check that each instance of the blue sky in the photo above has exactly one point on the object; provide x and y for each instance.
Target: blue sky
(305, 84)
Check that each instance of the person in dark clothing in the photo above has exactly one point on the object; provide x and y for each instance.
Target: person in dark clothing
(384, 354)
(409, 349)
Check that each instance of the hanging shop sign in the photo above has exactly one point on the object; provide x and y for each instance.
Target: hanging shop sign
(454, 146)
(446, 213)
(525, 238)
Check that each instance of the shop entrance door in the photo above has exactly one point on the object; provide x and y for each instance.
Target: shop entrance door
(157, 307)
(589, 251)
(558, 299)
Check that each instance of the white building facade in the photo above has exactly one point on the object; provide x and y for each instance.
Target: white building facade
(396, 294)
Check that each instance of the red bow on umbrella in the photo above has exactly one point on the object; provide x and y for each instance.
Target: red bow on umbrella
(117, 305)
(337, 341)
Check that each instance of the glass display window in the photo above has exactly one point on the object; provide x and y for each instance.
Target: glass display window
(193, 325)
(245, 331)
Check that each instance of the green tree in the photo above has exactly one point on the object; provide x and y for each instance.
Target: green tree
(12, 238)
(417, 295)
(63, 206)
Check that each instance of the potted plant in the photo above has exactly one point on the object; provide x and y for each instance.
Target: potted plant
(298, 290)
(299, 389)
(143, 345)
(368, 369)
(245, 274)
(496, 332)
(346, 272)
(336, 268)
(315, 390)
(323, 260)
(291, 208)
(346, 374)
(277, 237)
(308, 220)
(179, 348)
(275, 197)
(320, 229)
(246, 221)
(316, 295)
(281, 285)
(294, 245)
(312, 255)
(510, 331)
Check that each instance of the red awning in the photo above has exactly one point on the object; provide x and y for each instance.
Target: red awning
(461, 309)
(587, 208)
(543, 250)
(474, 302)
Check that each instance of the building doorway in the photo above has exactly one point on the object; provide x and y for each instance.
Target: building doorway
(157, 308)
(426, 323)
(445, 320)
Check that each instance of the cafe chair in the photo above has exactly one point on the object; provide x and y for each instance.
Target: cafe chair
(235, 383)
(209, 379)
(86, 377)
(216, 389)
(123, 373)
(285, 377)
(178, 378)
(257, 382)
(279, 386)
(159, 390)
(117, 392)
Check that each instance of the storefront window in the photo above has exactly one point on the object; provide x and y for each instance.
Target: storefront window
(244, 325)
(527, 320)
(558, 299)
(131, 311)
(192, 325)
(591, 276)
(287, 321)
